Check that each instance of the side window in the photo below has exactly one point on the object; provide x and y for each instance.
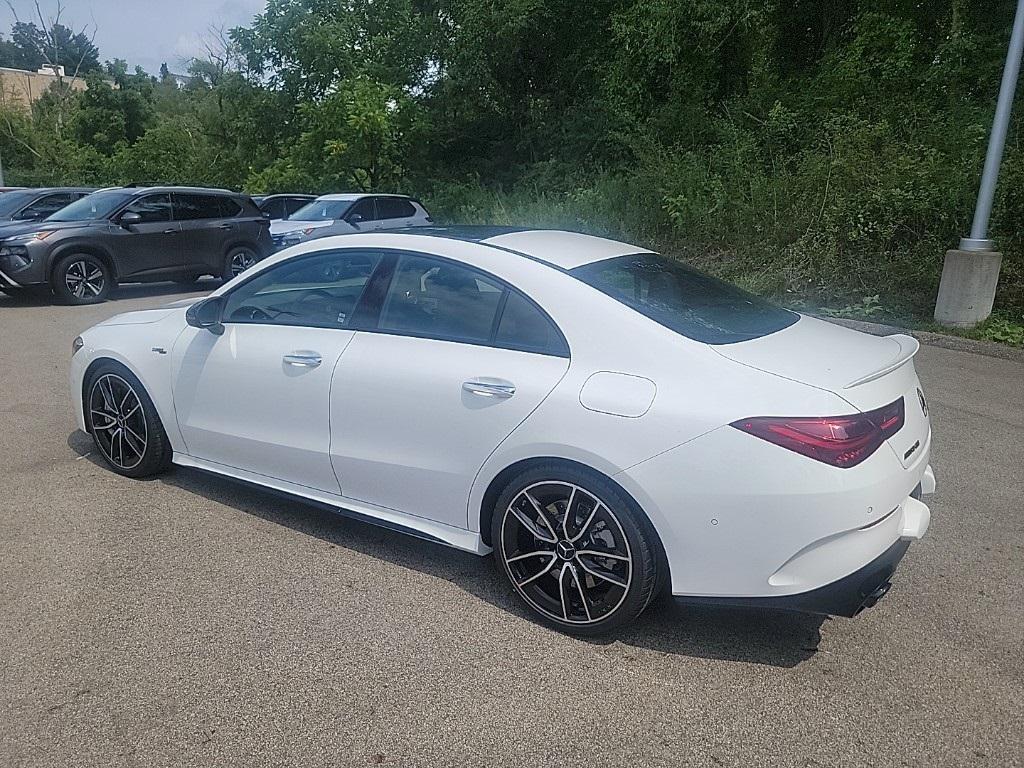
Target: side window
(524, 327)
(292, 204)
(320, 291)
(364, 209)
(189, 207)
(48, 205)
(228, 207)
(440, 300)
(152, 208)
(394, 208)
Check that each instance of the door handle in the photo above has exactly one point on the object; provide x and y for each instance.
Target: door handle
(303, 359)
(226, 226)
(171, 231)
(489, 387)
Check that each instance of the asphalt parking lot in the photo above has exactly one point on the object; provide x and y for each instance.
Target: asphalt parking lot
(187, 621)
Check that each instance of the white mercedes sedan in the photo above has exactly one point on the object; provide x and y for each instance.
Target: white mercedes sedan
(611, 423)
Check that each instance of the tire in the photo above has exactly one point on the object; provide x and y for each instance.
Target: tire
(238, 260)
(572, 589)
(81, 278)
(124, 424)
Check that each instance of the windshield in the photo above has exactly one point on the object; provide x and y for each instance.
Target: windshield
(11, 202)
(688, 302)
(98, 205)
(322, 210)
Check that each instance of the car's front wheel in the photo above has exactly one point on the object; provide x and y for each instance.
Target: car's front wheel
(238, 260)
(124, 423)
(82, 278)
(577, 551)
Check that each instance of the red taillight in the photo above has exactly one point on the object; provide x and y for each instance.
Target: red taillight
(842, 441)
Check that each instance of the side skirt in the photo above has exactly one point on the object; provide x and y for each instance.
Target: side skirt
(411, 525)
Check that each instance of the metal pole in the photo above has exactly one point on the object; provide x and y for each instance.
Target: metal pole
(978, 241)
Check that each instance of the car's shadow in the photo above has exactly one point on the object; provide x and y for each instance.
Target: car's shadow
(776, 638)
(37, 297)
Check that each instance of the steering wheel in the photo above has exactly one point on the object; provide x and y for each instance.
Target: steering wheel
(249, 312)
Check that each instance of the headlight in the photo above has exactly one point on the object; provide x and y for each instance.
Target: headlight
(28, 237)
(76, 345)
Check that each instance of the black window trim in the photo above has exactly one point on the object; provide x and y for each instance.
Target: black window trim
(367, 311)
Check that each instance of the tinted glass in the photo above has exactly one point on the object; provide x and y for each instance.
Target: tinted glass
(394, 208)
(689, 302)
(523, 326)
(12, 202)
(98, 205)
(293, 204)
(47, 206)
(152, 208)
(320, 291)
(228, 207)
(441, 300)
(322, 210)
(363, 208)
(189, 207)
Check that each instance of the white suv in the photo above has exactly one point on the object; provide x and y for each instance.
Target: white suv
(344, 213)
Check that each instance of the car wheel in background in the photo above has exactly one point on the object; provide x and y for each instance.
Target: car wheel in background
(577, 551)
(81, 278)
(238, 260)
(124, 423)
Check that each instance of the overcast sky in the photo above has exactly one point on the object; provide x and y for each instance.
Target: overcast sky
(145, 32)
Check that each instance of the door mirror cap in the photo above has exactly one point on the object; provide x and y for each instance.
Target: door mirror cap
(206, 314)
(129, 218)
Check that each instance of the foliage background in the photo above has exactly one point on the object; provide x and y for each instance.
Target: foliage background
(824, 153)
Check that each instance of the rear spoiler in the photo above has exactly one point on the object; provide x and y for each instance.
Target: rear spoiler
(908, 348)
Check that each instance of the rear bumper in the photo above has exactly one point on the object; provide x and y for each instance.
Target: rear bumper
(846, 597)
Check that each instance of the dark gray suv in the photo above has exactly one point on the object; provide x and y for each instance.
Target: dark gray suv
(128, 234)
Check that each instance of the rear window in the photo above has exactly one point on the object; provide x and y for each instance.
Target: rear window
(688, 302)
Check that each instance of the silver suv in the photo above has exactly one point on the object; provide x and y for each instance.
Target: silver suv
(128, 234)
(343, 213)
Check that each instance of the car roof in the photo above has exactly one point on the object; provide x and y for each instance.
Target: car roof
(141, 190)
(51, 190)
(349, 196)
(558, 248)
(303, 195)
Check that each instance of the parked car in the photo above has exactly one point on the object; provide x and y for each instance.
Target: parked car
(609, 421)
(344, 213)
(276, 207)
(127, 234)
(24, 205)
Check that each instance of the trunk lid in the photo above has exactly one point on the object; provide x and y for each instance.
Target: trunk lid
(866, 371)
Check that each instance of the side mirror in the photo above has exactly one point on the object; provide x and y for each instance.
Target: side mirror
(355, 219)
(128, 219)
(29, 215)
(206, 314)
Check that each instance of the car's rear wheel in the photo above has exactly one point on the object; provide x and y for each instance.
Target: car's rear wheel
(577, 551)
(81, 278)
(238, 260)
(124, 423)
